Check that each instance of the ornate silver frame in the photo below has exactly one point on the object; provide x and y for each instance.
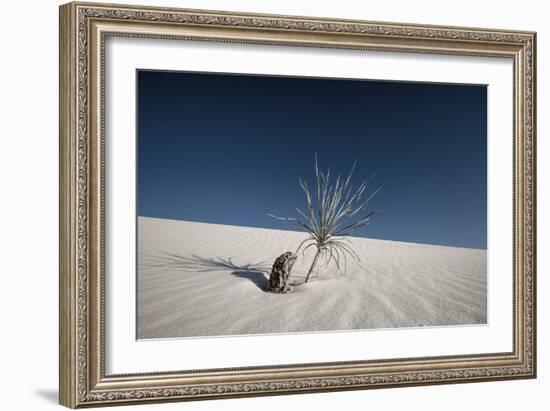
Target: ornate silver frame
(83, 30)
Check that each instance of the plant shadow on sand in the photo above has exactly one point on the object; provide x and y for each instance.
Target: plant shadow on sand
(257, 273)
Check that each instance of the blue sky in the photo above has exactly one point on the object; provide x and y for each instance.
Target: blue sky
(228, 149)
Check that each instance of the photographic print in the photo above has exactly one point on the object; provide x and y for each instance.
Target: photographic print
(273, 204)
(241, 193)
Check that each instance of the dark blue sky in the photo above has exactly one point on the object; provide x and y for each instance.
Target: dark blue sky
(228, 149)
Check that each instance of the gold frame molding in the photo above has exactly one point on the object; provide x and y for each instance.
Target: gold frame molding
(84, 27)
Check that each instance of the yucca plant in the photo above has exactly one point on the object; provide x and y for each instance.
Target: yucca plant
(334, 212)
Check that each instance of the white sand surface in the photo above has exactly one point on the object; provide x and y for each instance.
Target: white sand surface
(197, 279)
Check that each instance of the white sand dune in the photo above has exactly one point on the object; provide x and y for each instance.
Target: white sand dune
(197, 279)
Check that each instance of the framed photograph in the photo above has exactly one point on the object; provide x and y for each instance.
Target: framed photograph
(259, 204)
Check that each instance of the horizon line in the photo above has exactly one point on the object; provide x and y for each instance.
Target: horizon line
(305, 232)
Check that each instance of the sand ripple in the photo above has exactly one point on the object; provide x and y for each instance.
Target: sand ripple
(197, 279)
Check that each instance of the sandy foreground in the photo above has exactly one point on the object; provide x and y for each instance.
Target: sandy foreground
(197, 279)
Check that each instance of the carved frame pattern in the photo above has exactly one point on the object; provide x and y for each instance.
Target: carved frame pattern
(82, 378)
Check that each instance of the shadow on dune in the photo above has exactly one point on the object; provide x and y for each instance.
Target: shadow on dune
(256, 273)
(257, 277)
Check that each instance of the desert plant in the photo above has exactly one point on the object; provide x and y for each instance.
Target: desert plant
(335, 211)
